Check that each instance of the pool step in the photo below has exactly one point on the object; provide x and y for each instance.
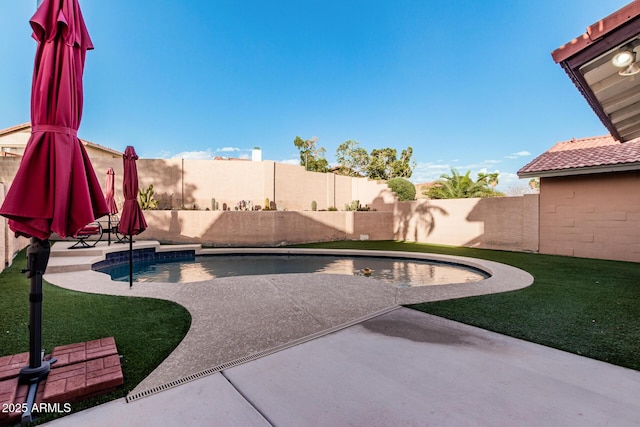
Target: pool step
(64, 260)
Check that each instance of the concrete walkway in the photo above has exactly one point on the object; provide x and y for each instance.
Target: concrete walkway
(359, 359)
(403, 368)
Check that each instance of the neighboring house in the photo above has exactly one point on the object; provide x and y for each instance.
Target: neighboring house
(589, 198)
(230, 158)
(423, 188)
(13, 141)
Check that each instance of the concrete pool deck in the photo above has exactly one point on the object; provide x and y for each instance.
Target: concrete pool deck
(313, 349)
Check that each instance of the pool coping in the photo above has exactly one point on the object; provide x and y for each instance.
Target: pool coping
(502, 277)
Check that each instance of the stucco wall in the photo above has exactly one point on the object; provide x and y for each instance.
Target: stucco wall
(508, 223)
(290, 186)
(10, 244)
(8, 168)
(593, 216)
(501, 223)
(484, 223)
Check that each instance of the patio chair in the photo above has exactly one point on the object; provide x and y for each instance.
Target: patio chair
(120, 238)
(89, 230)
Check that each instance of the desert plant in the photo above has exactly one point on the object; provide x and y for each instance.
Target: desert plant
(314, 206)
(353, 206)
(146, 200)
(213, 203)
(266, 204)
(332, 208)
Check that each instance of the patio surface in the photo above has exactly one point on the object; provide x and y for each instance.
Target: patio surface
(313, 349)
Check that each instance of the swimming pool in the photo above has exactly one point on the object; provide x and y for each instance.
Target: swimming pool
(398, 271)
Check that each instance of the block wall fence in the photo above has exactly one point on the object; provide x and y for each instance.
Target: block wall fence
(501, 223)
(593, 216)
(193, 184)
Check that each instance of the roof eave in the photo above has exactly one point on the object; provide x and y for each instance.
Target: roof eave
(596, 31)
(623, 167)
(585, 90)
(101, 147)
(17, 128)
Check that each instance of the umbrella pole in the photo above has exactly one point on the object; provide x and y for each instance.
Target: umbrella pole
(130, 261)
(37, 260)
(109, 216)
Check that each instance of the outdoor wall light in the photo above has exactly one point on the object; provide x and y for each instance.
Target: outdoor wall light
(624, 58)
(632, 69)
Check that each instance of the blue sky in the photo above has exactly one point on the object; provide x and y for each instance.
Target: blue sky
(467, 84)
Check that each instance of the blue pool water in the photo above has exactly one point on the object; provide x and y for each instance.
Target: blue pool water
(401, 272)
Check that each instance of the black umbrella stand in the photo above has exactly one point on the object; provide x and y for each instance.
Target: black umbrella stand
(109, 232)
(38, 368)
(130, 261)
(37, 260)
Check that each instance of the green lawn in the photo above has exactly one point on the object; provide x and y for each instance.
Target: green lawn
(146, 330)
(585, 306)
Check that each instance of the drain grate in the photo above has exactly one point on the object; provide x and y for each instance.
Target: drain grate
(228, 365)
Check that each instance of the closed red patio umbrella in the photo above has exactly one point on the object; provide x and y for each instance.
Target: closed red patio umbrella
(55, 188)
(109, 194)
(110, 191)
(132, 221)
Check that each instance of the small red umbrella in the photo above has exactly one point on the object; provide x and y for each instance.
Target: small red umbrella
(132, 221)
(55, 188)
(109, 192)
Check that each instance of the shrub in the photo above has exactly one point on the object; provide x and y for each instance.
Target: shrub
(314, 206)
(403, 188)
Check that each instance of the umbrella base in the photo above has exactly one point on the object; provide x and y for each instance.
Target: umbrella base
(33, 376)
(29, 374)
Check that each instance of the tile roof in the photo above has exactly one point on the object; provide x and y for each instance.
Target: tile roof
(586, 155)
(16, 128)
(27, 127)
(231, 158)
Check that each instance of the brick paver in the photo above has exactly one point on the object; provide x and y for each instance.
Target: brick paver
(73, 353)
(82, 370)
(10, 365)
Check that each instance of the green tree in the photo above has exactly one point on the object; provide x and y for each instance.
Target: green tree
(311, 155)
(490, 178)
(456, 186)
(403, 167)
(382, 163)
(534, 184)
(353, 160)
(403, 188)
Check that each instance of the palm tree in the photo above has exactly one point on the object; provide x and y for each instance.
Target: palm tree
(490, 179)
(456, 186)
